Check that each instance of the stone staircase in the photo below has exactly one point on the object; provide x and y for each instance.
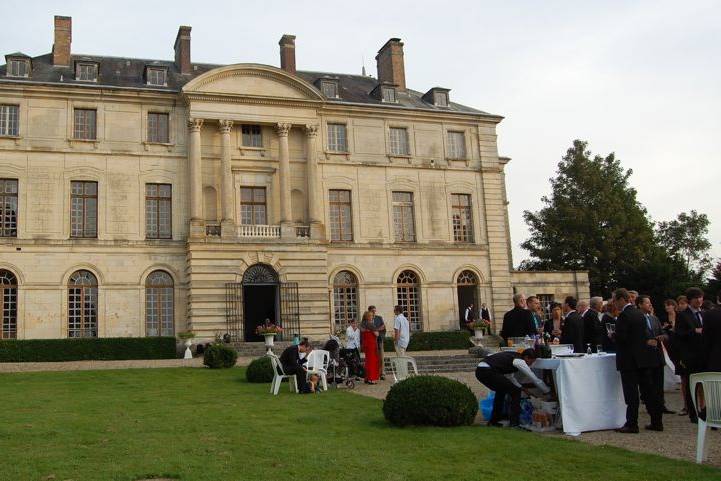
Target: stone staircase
(442, 363)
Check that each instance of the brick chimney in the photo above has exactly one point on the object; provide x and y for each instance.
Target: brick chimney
(287, 53)
(63, 37)
(390, 63)
(182, 49)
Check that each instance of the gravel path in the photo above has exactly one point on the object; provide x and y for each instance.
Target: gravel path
(678, 440)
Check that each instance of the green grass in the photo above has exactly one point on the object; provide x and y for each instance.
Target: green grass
(200, 424)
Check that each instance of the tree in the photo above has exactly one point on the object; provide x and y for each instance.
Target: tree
(591, 221)
(713, 287)
(685, 239)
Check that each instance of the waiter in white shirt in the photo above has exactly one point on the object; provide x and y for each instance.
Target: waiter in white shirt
(353, 336)
(497, 371)
(401, 331)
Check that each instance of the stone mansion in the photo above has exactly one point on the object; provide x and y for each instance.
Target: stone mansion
(147, 197)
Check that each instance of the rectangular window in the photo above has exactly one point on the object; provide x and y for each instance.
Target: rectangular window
(8, 207)
(252, 206)
(157, 76)
(84, 125)
(440, 99)
(329, 89)
(83, 209)
(158, 131)
(18, 68)
(87, 72)
(456, 145)
(158, 211)
(341, 220)
(337, 140)
(546, 300)
(252, 136)
(9, 120)
(399, 141)
(462, 217)
(389, 94)
(403, 221)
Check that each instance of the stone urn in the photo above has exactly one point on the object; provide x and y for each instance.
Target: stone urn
(188, 352)
(269, 341)
(478, 333)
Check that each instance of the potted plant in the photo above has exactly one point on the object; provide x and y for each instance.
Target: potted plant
(479, 327)
(268, 330)
(187, 336)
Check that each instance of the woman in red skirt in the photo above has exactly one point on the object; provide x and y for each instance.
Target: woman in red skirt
(369, 343)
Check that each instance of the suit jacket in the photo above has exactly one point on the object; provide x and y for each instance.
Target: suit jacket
(572, 331)
(592, 329)
(485, 314)
(712, 339)
(632, 352)
(690, 343)
(517, 322)
(290, 359)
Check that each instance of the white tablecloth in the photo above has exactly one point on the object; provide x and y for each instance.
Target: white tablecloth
(589, 392)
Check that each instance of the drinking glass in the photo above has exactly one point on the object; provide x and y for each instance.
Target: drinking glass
(599, 349)
(610, 328)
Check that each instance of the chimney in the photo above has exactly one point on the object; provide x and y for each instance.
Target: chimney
(182, 49)
(287, 53)
(390, 63)
(63, 37)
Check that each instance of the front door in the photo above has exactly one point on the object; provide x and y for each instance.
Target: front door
(466, 296)
(261, 303)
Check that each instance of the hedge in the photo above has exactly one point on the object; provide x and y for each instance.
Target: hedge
(259, 370)
(434, 341)
(87, 349)
(219, 356)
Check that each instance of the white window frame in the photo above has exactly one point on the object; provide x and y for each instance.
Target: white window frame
(79, 74)
(440, 95)
(9, 118)
(329, 83)
(457, 152)
(392, 98)
(16, 62)
(157, 71)
(337, 143)
(399, 141)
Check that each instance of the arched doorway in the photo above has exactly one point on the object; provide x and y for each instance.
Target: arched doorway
(467, 294)
(260, 291)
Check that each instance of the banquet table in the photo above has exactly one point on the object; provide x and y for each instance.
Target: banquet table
(589, 392)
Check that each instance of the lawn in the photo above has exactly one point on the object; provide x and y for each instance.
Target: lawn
(197, 424)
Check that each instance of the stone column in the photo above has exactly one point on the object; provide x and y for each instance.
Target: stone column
(315, 212)
(197, 225)
(283, 130)
(228, 222)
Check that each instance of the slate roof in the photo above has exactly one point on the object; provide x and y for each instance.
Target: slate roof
(122, 72)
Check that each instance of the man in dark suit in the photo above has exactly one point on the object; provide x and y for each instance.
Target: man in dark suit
(293, 364)
(654, 326)
(485, 313)
(592, 332)
(689, 333)
(637, 355)
(518, 322)
(712, 339)
(572, 331)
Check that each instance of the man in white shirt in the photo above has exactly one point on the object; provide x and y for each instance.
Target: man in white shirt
(401, 331)
(497, 373)
(352, 334)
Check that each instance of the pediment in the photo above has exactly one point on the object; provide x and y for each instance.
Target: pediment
(252, 80)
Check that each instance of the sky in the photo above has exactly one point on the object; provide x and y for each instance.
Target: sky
(641, 79)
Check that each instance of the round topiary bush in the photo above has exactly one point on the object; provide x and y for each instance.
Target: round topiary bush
(259, 370)
(220, 355)
(430, 400)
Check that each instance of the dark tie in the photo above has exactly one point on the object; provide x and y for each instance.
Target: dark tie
(698, 318)
(648, 325)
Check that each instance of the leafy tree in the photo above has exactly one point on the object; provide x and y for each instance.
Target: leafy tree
(591, 221)
(685, 238)
(713, 287)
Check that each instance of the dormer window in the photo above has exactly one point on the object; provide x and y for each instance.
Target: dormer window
(329, 88)
(388, 94)
(157, 76)
(18, 67)
(437, 96)
(86, 72)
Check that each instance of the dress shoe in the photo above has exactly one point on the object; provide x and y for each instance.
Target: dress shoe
(683, 412)
(654, 427)
(628, 430)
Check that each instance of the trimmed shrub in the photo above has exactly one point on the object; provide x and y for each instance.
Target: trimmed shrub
(434, 341)
(430, 400)
(220, 356)
(259, 370)
(87, 349)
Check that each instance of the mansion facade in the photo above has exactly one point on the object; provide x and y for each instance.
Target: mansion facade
(146, 197)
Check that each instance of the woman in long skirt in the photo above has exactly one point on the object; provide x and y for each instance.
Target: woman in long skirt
(369, 343)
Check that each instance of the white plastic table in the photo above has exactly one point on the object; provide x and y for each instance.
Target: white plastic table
(589, 392)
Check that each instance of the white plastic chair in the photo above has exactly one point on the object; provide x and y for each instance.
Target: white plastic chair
(318, 361)
(399, 366)
(711, 383)
(279, 374)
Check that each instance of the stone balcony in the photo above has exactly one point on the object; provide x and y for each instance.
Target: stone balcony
(259, 232)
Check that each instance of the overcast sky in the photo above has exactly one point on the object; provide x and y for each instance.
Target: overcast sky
(642, 79)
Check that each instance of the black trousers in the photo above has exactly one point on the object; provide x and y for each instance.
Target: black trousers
(643, 380)
(692, 414)
(299, 373)
(499, 383)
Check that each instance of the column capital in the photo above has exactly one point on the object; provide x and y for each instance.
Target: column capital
(311, 130)
(225, 126)
(194, 125)
(282, 129)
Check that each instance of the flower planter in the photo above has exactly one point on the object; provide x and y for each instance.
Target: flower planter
(478, 333)
(269, 341)
(188, 352)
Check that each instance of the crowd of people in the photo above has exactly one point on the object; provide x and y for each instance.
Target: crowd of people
(687, 336)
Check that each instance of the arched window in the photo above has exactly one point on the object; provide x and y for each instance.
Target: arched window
(345, 298)
(159, 305)
(408, 295)
(467, 278)
(82, 305)
(9, 295)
